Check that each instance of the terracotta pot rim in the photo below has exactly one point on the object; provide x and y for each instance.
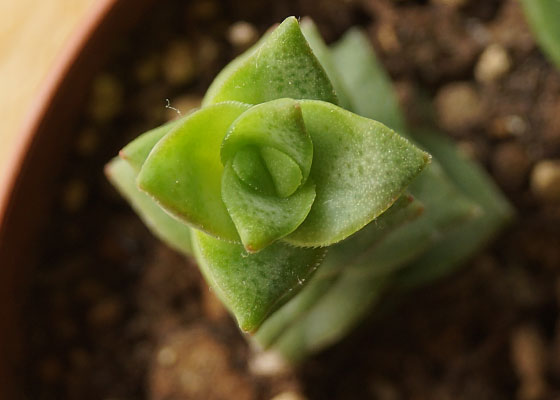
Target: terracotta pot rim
(42, 103)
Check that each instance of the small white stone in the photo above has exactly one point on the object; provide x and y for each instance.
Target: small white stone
(459, 106)
(166, 357)
(178, 63)
(545, 180)
(268, 363)
(493, 63)
(290, 395)
(242, 34)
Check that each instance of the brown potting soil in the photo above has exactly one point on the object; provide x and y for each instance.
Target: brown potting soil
(115, 314)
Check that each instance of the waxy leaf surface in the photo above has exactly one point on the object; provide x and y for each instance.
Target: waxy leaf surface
(360, 167)
(184, 172)
(136, 152)
(262, 219)
(455, 247)
(323, 54)
(278, 124)
(282, 66)
(252, 286)
(338, 256)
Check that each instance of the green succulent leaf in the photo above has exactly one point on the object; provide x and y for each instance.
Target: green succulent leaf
(360, 167)
(136, 152)
(283, 65)
(323, 54)
(254, 285)
(455, 247)
(342, 254)
(346, 302)
(183, 172)
(366, 82)
(262, 219)
(250, 168)
(277, 124)
(544, 17)
(286, 174)
(171, 231)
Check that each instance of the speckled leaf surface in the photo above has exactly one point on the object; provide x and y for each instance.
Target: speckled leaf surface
(268, 154)
(260, 219)
(184, 172)
(338, 257)
(367, 83)
(457, 245)
(254, 285)
(360, 168)
(361, 268)
(323, 54)
(136, 152)
(282, 66)
(277, 124)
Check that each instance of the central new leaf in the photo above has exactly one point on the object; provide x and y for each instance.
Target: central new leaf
(267, 147)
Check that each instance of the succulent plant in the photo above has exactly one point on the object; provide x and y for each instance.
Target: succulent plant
(300, 203)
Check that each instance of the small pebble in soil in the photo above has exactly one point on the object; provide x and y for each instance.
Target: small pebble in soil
(493, 63)
(178, 64)
(268, 363)
(545, 180)
(74, 195)
(289, 396)
(458, 106)
(529, 360)
(106, 98)
(208, 51)
(478, 31)
(510, 164)
(242, 34)
(166, 356)
(388, 38)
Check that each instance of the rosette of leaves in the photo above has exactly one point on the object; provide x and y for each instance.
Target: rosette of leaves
(290, 194)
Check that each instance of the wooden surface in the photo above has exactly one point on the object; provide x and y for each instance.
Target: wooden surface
(32, 34)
